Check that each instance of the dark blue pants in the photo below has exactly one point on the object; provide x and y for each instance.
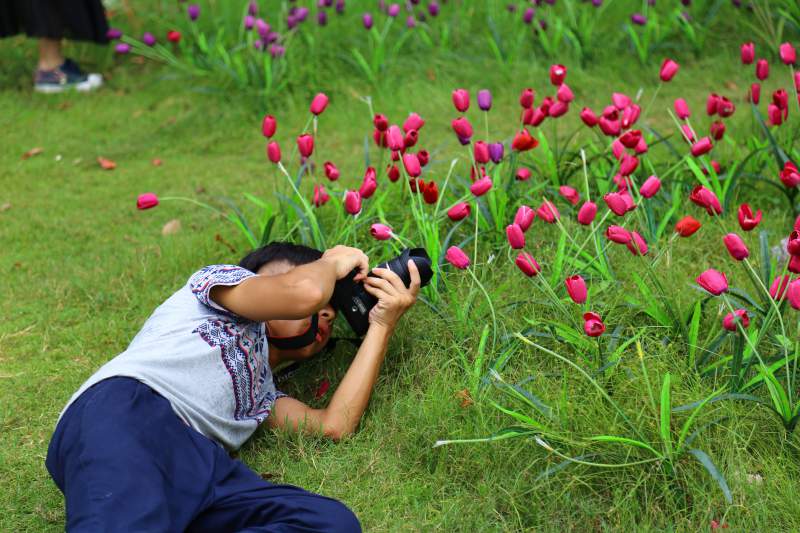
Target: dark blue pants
(126, 462)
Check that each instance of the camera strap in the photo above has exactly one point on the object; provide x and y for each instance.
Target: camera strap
(298, 341)
(285, 373)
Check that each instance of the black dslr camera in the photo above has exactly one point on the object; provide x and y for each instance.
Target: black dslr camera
(350, 298)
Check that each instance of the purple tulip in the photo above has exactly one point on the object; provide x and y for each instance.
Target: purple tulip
(252, 9)
(194, 11)
(301, 14)
(291, 22)
(149, 39)
(527, 17)
(277, 50)
(394, 10)
(249, 22)
(597, 3)
(123, 48)
(262, 28)
(271, 37)
(113, 34)
(367, 20)
(322, 18)
(638, 19)
(433, 9)
(339, 7)
(496, 152)
(485, 99)
(410, 21)
(258, 44)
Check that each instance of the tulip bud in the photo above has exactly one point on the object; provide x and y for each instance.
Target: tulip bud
(713, 281)
(481, 187)
(564, 94)
(593, 325)
(413, 122)
(794, 264)
(331, 172)
(173, 36)
(321, 197)
(523, 141)
(617, 149)
(611, 128)
(430, 193)
(777, 291)
(268, 126)
(628, 165)
(193, 10)
(411, 138)
(630, 115)
(793, 245)
(485, 100)
(548, 212)
(274, 152)
(423, 156)
(650, 187)
(496, 151)
(618, 234)
(687, 226)
(395, 139)
(393, 172)
(616, 203)
(620, 100)
(717, 130)
(706, 199)
(638, 19)
(755, 93)
(630, 138)
(725, 107)
(462, 128)
(146, 201)
(793, 294)
(747, 220)
(557, 74)
(576, 288)
(352, 202)
(781, 99)
(456, 257)
(569, 194)
(641, 147)
(368, 187)
(711, 104)
(738, 316)
(381, 123)
(682, 109)
(481, 152)
(380, 232)
(748, 53)
(788, 54)
(524, 217)
(523, 174)
(319, 103)
(668, 70)
(526, 98)
(790, 176)
(558, 109)
(461, 100)
(702, 146)
(411, 164)
(459, 211)
(366, 19)
(527, 264)
(688, 134)
(762, 69)
(588, 117)
(637, 245)
(587, 212)
(515, 236)
(305, 145)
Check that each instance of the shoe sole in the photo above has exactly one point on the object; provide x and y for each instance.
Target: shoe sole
(49, 88)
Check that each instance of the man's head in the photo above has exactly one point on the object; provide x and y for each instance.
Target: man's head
(277, 258)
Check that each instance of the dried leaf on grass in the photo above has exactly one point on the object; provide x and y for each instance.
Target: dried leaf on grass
(171, 227)
(5, 207)
(465, 397)
(106, 164)
(32, 152)
(157, 162)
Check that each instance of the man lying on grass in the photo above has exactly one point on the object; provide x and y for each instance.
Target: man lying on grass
(143, 444)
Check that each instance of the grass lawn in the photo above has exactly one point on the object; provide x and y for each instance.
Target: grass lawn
(82, 269)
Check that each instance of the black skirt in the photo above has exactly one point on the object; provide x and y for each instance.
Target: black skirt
(80, 20)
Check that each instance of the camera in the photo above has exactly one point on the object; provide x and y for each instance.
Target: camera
(351, 300)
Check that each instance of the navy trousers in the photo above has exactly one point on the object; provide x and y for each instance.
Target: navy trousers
(125, 462)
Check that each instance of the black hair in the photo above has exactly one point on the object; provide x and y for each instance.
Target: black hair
(276, 251)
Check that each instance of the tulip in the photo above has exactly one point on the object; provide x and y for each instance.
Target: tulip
(794, 264)
(433, 9)
(173, 36)
(548, 212)
(113, 34)
(628, 165)
(368, 188)
(411, 138)
(736, 246)
(616, 203)
(755, 93)
(788, 54)
(352, 202)
(588, 117)
(617, 149)
(781, 99)
(621, 100)
(430, 193)
(762, 69)
(523, 141)
(717, 130)
(459, 211)
(609, 127)
(485, 100)
(576, 288)
(496, 151)
(393, 10)
(668, 70)
(524, 217)
(725, 107)
(738, 316)
(702, 146)
(793, 245)
(193, 10)
(456, 257)
(423, 157)
(593, 324)
(557, 74)
(688, 134)
(638, 19)
(790, 176)
(775, 115)
(149, 39)
(523, 174)
(748, 53)
(706, 199)
(463, 129)
(380, 232)
(558, 109)
(569, 194)
(527, 264)
(305, 144)
(268, 126)
(413, 122)
(366, 19)
(777, 290)
(587, 212)
(146, 201)
(321, 197)
(687, 226)
(618, 234)
(381, 123)
(122, 48)
(515, 236)
(637, 245)
(411, 164)
(392, 172)
(526, 98)
(682, 109)
(564, 94)
(481, 152)
(641, 147)
(713, 281)
(481, 187)
(274, 152)
(331, 172)
(630, 139)
(319, 103)
(630, 115)
(747, 220)
(395, 139)
(793, 294)
(650, 187)
(461, 100)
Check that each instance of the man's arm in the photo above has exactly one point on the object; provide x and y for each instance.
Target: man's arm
(343, 414)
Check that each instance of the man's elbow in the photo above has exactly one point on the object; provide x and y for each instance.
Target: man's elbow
(313, 298)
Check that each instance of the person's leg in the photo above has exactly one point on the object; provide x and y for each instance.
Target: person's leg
(50, 56)
(126, 462)
(245, 502)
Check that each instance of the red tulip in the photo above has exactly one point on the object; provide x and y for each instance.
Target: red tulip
(380, 138)
(569, 194)
(777, 290)
(516, 239)
(797, 223)
(463, 128)
(173, 36)
(380, 232)
(321, 197)
(687, 226)
(527, 264)
(523, 174)
(413, 122)
(748, 53)
(481, 152)
(628, 165)
(793, 294)
(430, 193)
(762, 69)
(461, 100)
(620, 100)
(794, 264)
(456, 257)
(588, 117)
(319, 103)
(352, 202)
(535, 116)
(395, 139)
(523, 141)
(593, 324)
(641, 147)
(775, 115)
(717, 130)
(747, 220)
(668, 70)
(702, 146)
(631, 138)
(793, 245)
(713, 281)
(725, 107)
(637, 245)
(609, 127)
(616, 203)
(274, 152)
(755, 93)
(331, 172)
(576, 288)
(650, 187)
(714, 166)
(411, 164)
(731, 319)
(564, 94)
(557, 74)
(712, 104)
(706, 199)
(423, 157)
(459, 211)
(368, 187)
(618, 234)
(393, 173)
(736, 246)
(587, 213)
(558, 109)
(548, 212)
(526, 98)
(788, 54)
(380, 122)
(305, 145)
(630, 115)
(688, 134)
(524, 217)
(617, 149)
(410, 139)
(781, 99)
(790, 176)
(481, 187)
(146, 201)
(268, 126)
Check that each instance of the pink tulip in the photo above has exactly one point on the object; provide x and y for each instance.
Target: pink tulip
(668, 70)
(794, 264)
(617, 149)
(381, 123)
(793, 294)
(268, 126)
(319, 103)
(717, 130)
(459, 211)
(618, 234)
(628, 165)
(320, 197)
(395, 139)
(755, 93)
(702, 146)
(630, 115)
(548, 212)
(456, 257)
(516, 239)
(637, 245)
(682, 109)
(413, 122)
(463, 129)
(523, 174)
(274, 152)
(688, 134)
(557, 74)
(641, 146)
(609, 127)
(380, 232)
(738, 316)
(564, 94)
(650, 187)
(569, 194)
(620, 100)
(461, 100)
(352, 202)
(712, 104)
(305, 145)
(558, 109)
(725, 107)
(793, 245)
(774, 115)
(790, 176)
(593, 324)
(481, 152)
(576, 288)
(587, 213)
(331, 172)
(777, 290)
(762, 69)
(788, 54)
(527, 264)
(706, 199)
(747, 220)
(736, 246)
(631, 138)
(526, 98)
(748, 53)
(146, 201)
(411, 164)
(588, 117)
(524, 217)
(616, 203)
(481, 186)
(713, 281)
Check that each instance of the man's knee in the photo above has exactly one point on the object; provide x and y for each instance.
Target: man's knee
(333, 516)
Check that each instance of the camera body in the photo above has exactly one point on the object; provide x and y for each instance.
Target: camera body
(350, 299)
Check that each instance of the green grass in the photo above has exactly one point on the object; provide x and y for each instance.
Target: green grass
(82, 270)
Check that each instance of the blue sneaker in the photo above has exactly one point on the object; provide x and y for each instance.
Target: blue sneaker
(67, 76)
(70, 66)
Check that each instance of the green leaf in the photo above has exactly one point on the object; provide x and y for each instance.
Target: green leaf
(666, 414)
(627, 441)
(694, 331)
(703, 458)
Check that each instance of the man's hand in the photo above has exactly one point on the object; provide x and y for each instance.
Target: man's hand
(344, 259)
(394, 298)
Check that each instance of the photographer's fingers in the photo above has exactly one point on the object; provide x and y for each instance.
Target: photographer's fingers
(362, 263)
(392, 278)
(381, 284)
(416, 282)
(376, 292)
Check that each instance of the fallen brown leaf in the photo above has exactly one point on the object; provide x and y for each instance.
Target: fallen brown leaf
(219, 238)
(171, 227)
(200, 189)
(65, 105)
(139, 60)
(106, 164)
(32, 152)
(5, 207)
(466, 399)
(157, 162)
